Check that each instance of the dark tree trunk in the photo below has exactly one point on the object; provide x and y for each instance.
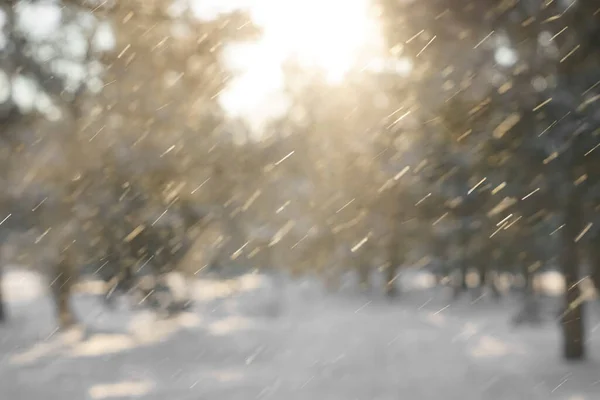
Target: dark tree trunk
(332, 280)
(594, 256)
(327, 263)
(394, 249)
(496, 295)
(391, 289)
(391, 272)
(440, 252)
(464, 261)
(463, 246)
(2, 309)
(363, 274)
(2, 305)
(482, 271)
(530, 311)
(332, 274)
(494, 274)
(572, 318)
(61, 288)
(527, 278)
(464, 273)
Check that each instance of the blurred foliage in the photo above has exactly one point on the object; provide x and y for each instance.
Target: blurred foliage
(480, 155)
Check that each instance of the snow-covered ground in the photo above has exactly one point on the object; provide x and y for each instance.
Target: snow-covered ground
(259, 337)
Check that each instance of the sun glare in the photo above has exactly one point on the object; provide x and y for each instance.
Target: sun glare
(332, 37)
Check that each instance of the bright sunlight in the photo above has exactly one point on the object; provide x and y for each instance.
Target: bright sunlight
(329, 36)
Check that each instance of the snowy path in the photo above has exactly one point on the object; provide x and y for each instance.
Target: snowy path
(247, 341)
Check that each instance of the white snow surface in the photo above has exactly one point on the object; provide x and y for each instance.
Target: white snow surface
(269, 337)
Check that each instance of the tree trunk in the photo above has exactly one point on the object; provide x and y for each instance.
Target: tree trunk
(594, 257)
(572, 318)
(464, 273)
(2, 310)
(363, 274)
(327, 261)
(527, 278)
(464, 261)
(441, 255)
(394, 248)
(391, 289)
(482, 271)
(493, 282)
(530, 311)
(391, 272)
(494, 274)
(61, 289)
(2, 258)
(462, 286)
(332, 281)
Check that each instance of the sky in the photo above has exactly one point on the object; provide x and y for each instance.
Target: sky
(330, 36)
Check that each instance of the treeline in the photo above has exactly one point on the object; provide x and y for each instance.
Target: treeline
(115, 148)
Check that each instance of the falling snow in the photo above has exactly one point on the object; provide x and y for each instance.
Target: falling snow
(301, 199)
